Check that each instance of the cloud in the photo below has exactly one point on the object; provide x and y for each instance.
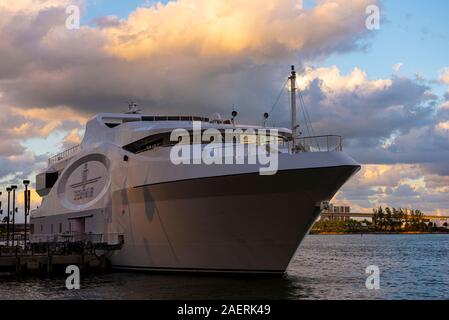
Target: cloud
(221, 28)
(443, 126)
(10, 148)
(399, 185)
(18, 126)
(444, 75)
(375, 109)
(17, 167)
(73, 138)
(22, 124)
(106, 22)
(208, 58)
(204, 56)
(32, 6)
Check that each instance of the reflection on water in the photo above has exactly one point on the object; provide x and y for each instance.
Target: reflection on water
(326, 267)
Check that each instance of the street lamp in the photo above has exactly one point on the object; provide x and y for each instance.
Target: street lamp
(27, 208)
(9, 211)
(13, 188)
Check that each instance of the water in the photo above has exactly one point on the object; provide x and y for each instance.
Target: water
(326, 267)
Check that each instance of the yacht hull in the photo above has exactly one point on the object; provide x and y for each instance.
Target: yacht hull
(245, 223)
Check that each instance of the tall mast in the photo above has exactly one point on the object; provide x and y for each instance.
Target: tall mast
(292, 79)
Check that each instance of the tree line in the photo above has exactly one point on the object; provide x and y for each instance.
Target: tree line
(392, 219)
(383, 220)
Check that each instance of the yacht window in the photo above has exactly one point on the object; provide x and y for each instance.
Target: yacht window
(163, 140)
(148, 143)
(112, 125)
(112, 122)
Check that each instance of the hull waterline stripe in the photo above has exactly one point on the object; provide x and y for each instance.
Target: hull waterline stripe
(204, 270)
(244, 174)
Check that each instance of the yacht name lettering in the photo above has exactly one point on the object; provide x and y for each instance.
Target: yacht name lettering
(83, 194)
(87, 190)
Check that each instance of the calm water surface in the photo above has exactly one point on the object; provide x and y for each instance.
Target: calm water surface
(325, 267)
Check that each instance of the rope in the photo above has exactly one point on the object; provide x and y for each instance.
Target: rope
(278, 98)
(308, 122)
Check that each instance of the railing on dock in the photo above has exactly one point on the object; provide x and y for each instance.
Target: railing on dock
(67, 243)
(72, 236)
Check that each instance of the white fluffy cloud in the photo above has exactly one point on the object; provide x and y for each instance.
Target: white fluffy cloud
(406, 186)
(366, 111)
(217, 28)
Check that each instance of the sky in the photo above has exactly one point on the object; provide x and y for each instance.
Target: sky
(386, 91)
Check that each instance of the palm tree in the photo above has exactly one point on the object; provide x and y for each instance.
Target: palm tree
(388, 218)
(381, 217)
(396, 218)
(375, 218)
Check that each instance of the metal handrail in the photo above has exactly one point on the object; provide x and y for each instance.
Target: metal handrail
(63, 155)
(325, 143)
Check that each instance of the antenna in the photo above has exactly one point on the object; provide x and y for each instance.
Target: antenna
(133, 108)
(265, 118)
(233, 114)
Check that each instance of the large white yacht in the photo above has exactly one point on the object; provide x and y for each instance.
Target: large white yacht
(121, 184)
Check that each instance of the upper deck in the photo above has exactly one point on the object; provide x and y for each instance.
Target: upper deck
(101, 125)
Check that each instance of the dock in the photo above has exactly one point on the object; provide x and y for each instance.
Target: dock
(54, 257)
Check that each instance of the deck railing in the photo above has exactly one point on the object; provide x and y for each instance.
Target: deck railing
(66, 154)
(326, 143)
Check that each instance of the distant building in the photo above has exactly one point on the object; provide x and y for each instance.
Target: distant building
(440, 222)
(332, 212)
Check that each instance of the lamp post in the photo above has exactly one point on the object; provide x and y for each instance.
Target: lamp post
(13, 188)
(9, 211)
(27, 209)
